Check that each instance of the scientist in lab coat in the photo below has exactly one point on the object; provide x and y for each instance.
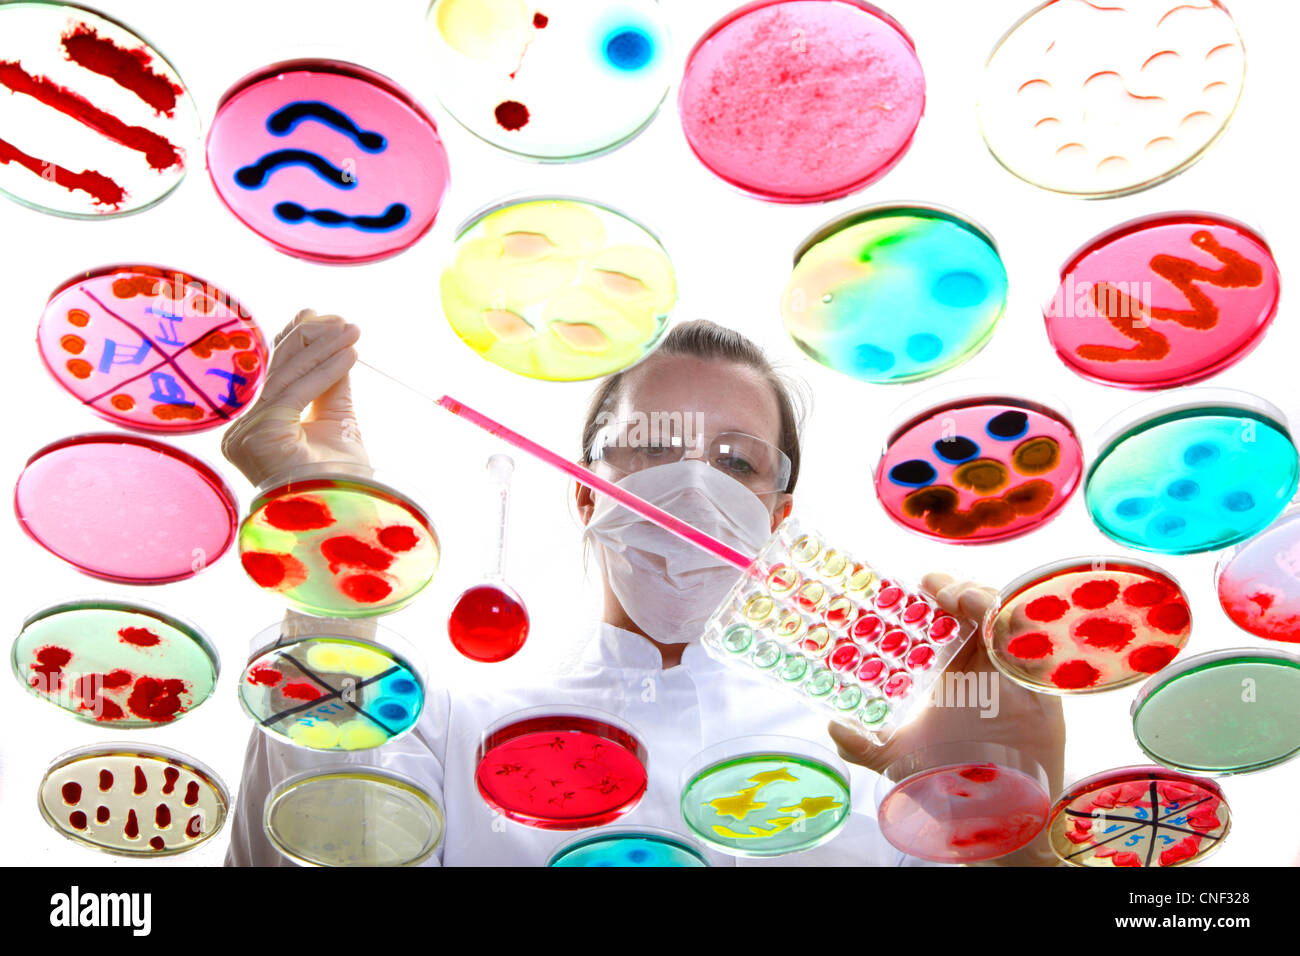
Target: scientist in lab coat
(644, 663)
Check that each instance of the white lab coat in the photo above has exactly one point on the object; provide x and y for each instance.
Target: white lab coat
(675, 712)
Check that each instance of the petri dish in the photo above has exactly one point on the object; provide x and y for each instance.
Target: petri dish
(314, 686)
(628, 847)
(1230, 711)
(973, 468)
(962, 802)
(327, 161)
(800, 101)
(170, 517)
(353, 816)
(133, 800)
(1195, 471)
(1084, 625)
(97, 122)
(558, 289)
(563, 80)
(1258, 581)
(1097, 100)
(895, 293)
(335, 545)
(591, 767)
(117, 663)
(1164, 300)
(153, 349)
(1139, 816)
(765, 796)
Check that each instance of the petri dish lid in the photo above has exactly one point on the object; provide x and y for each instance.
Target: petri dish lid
(85, 140)
(628, 846)
(353, 816)
(962, 802)
(975, 462)
(153, 349)
(310, 683)
(895, 292)
(745, 796)
(327, 161)
(1258, 581)
(120, 663)
(576, 84)
(1139, 816)
(593, 764)
(335, 544)
(1164, 300)
(1224, 712)
(1227, 460)
(1061, 104)
(133, 800)
(558, 288)
(1088, 624)
(171, 515)
(775, 125)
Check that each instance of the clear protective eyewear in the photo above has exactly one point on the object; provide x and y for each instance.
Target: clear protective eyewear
(626, 447)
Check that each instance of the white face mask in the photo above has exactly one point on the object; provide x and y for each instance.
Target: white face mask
(667, 587)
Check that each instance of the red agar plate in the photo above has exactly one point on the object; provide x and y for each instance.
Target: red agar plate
(561, 770)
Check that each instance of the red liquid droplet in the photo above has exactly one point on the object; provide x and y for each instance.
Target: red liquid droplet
(540, 20)
(77, 819)
(132, 829)
(488, 624)
(192, 793)
(157, 843)
(141, 784)
(102, 815)
(72, 794)
(105, 780)
(512, 115)
(170, 776)
(162, 817)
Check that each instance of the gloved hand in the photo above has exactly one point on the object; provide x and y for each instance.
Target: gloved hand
(309, 366)
(996, 710)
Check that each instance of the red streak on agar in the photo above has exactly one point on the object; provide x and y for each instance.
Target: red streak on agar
(132, 828)
(1049, 608)
(266, 676)
(170, 776)
(301, 690)
(347, 551)
(398, 538)
(159, 153)
(365, 588)
(192, 794)
(129, 69)
(71, 794)
(103, 190)
(298, 514)
(1095, 594)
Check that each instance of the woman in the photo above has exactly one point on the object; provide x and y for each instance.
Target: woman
(733, 474)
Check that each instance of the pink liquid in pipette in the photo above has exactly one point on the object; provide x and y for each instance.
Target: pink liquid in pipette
(488, 624)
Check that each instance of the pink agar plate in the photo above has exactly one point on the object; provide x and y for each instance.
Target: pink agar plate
(153, 349)
(979, 469)
(801, 101)
(328, 161)
(125, 509)
(1259, 581)
(1165, 300)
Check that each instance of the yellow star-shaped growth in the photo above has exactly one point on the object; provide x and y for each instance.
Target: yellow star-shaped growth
(772, 776)
(813, 806)
(737, 806)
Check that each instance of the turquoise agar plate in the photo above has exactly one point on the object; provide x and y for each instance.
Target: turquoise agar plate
(1201, 474)
(628, 847)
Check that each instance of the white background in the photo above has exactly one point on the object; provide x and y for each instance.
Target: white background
(733, 257)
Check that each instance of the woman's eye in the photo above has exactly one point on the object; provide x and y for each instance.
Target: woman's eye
(737, 466)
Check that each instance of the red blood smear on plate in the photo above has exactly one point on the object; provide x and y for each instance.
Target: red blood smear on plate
(980, 774)
(1075, 675)
(512, 115)
(1047, 608)
(105, 780)
(162, 817)
(158, 152)
(266, 676)
(170, 776)
(77, 819)
(49, 665)
(1145, 594)
(487, 624)
(156, 700)
(347, 551)
(1170, 618)
(99, 187)
(301, 690)
(192, 793)
(102, 815)
(194, 828)
(132, 828)
(1105, 634)
(71, 794)
(298, 514)
(129, 69)
(157, 843)
(1151, 657)
(139, 636)
(365, 588)
(1095, 594)
(141, 784)
(398, 538)
(1030, 647)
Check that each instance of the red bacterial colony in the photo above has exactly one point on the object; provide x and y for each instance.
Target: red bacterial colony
(512, 115)
(139, 636)
(158, 701)
(298, 514)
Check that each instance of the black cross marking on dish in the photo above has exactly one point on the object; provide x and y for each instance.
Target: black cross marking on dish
(1154, 825)
(168, 359)
(335, 693)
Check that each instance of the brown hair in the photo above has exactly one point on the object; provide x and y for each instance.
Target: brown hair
(703, 339)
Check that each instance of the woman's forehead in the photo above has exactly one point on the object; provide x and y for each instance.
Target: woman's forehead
(726, 396)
